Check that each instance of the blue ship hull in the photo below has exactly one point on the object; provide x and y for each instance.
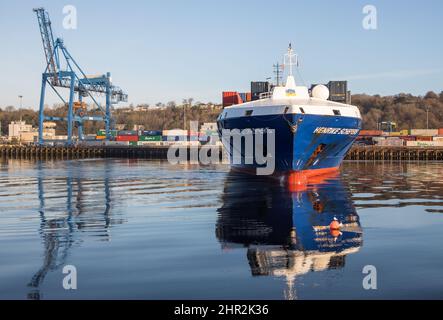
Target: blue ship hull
(298, 147)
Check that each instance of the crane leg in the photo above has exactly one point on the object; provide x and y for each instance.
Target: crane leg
(42, 109)
(70, 109)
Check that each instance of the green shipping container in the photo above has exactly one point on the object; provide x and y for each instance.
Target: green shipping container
(102, 132)
(150, 138)
(133, 143)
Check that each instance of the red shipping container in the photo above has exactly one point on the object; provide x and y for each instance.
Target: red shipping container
(408, 138)
(230, 98)
(440, 132)
(424, 138)
(126, 138)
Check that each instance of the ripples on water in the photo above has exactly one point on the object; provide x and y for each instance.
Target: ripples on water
(147, 229)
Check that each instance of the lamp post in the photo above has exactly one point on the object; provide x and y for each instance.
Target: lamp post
(21, 101)
(184, 114)
(427, 117)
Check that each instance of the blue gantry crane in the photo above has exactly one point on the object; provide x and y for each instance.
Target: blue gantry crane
(62, 71)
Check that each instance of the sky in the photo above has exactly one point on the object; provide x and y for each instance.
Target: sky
(160, 51)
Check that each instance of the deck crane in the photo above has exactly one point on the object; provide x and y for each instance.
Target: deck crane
(73, 78)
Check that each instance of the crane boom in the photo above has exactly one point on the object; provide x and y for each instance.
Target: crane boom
(48, 43)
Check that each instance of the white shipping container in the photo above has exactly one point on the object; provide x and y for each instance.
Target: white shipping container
(439, 138)
(424, 143)
(175, 132)
(116, 143)
(149, 143)
(180, 143)
(391, 142)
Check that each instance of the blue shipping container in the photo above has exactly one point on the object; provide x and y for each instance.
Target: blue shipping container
(127, 133)
(152, 133)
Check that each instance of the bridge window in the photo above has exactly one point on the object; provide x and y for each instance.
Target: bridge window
(337, 112)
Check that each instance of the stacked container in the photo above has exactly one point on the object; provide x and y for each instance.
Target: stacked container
(102, 132)
(230, 98)
(245, 96)
(259, 87)
(175, 135)
(127, 135)
(423, 132)
(424, 143)
(372, 133)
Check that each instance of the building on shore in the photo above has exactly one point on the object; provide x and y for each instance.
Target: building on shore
(15, 128)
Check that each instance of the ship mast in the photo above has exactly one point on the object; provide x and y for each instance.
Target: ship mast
(290, 59)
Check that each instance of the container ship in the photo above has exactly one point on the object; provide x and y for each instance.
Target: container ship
(312, 133)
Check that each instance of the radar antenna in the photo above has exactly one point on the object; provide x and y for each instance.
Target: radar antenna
(290, 59)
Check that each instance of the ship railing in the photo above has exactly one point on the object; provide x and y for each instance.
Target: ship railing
(265, 95)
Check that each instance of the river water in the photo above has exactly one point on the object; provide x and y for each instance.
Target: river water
(140, 229)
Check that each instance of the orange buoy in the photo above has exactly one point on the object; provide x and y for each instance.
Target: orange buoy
(335, 225)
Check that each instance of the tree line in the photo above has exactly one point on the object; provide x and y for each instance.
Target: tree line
(408, 111)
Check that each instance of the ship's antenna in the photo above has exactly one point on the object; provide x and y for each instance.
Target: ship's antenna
(290, 59)
(278, 70)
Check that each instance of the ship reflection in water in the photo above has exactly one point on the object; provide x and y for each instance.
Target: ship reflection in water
(286, 227)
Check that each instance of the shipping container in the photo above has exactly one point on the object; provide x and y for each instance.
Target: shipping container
(372, 133)
(175, 138)
(378, 140)
(133, 143)
(423, 132)
(126, 138)
(338, 91)
(91, 143)
(127, 133)
(404, 132)
(408, 138)
(396, 143)
(102, 132)
(440, 132)
(424, 143)
(230, 98)
(392, 142)
(423, 138)
(150, 138)
(100, 137)
(258, 87)
(172, 143)
(245, 96)
(437, 138)
(149, 143)
(116, 143)
(394, 134)
(175, 132)
(151, 133)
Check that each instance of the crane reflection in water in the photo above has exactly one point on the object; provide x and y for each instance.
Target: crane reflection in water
(61, 227)
(285, 226)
